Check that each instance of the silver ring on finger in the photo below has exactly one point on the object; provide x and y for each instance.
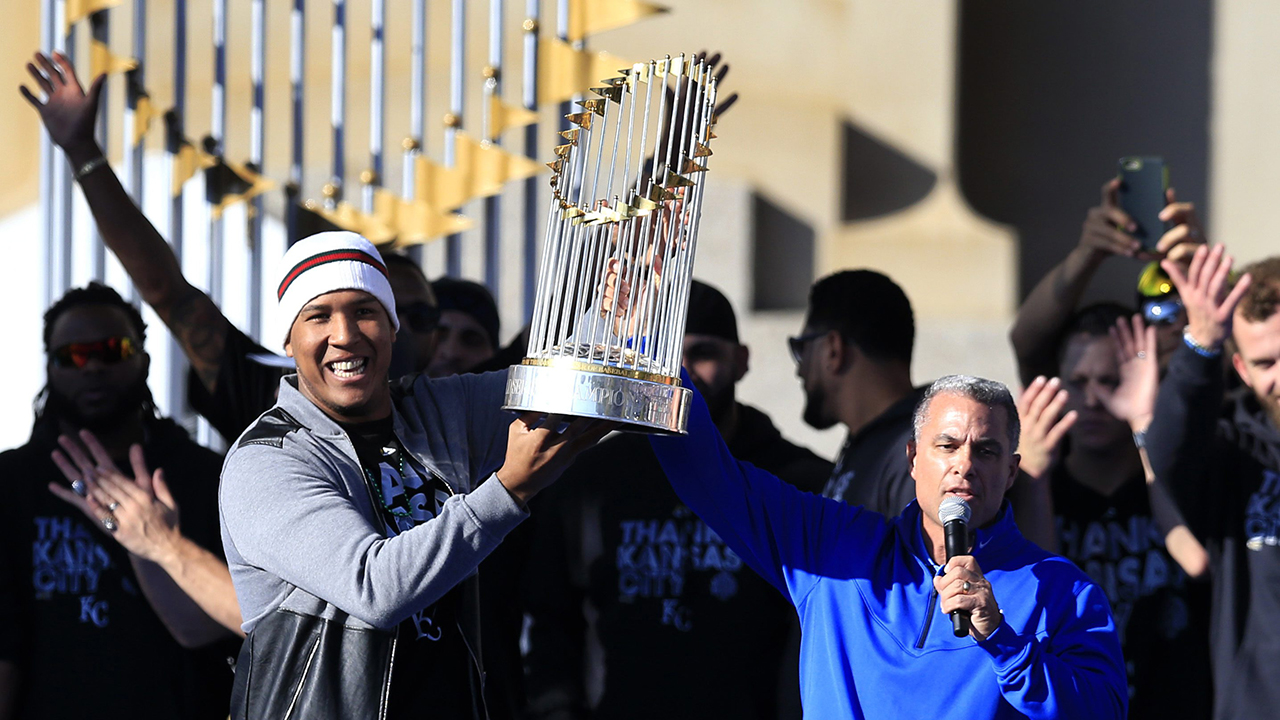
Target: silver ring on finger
(967, 586)
(78, 487)
(109, 522)
(112, 507)
(1142, 354)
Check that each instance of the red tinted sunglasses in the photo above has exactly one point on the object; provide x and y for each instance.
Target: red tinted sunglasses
(109, 352)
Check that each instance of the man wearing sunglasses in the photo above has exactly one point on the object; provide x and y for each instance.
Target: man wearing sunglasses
(854, 361)
(94, 626)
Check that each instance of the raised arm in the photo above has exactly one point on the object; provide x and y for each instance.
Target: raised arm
(68, 114)
(786, 535)
(1134, 401)
(1043, 427)
(1182, 434)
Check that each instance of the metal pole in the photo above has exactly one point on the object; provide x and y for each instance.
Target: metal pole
(217, 132)
(530, 98)
(297, 62)
(492, 204)
(257, 65)
(338, 103)
(48, 166)
(100, 30)
(62, 178)
(562, 33)
(417, 107)
(177, 361)
(457, 68)
(377, 102)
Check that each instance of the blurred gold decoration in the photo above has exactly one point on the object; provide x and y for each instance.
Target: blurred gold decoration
(503, 116)
(588, 17)
(312, 218)
(77, 10)
(143, 113)
(415, 222)
(480, 169)
(231, 183)
(186, 163)
(565, 72)
(101, 61)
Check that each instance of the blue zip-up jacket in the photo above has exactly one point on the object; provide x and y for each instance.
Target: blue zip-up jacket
(875, 643)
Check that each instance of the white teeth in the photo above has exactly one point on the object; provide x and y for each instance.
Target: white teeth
(348, 368)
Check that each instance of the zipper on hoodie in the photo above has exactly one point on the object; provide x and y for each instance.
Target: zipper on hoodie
(928, 612)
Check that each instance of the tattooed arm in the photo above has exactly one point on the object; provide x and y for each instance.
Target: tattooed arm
(68, 114)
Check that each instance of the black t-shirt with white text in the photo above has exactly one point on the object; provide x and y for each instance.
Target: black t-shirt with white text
(1160, 613)
(432, 667)
(83, 636)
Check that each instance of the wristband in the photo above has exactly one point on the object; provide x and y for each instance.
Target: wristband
(1197, 348)
(89, 167)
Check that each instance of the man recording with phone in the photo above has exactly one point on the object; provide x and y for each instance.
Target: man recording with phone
(873, 594)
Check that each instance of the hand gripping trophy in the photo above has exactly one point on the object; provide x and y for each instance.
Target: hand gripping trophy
(613, 288)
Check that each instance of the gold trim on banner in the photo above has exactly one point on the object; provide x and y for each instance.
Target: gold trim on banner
(503, 116)
(102, 61)
(77, 10)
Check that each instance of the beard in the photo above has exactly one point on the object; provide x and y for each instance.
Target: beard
(128, 402)
(814, 412)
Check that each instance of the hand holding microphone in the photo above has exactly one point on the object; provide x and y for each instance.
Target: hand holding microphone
(964, 592)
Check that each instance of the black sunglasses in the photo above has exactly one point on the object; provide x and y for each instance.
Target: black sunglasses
(422, 317)
(797, 343)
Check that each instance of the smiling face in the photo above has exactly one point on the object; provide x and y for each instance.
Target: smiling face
(962, 451)
(341, 342)
(1257, 360)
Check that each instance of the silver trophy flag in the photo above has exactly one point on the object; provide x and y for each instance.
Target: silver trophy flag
(609, 316)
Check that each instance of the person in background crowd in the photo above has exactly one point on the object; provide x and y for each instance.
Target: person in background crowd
(635, 608)
(93, 629)
(468, 331)
(854, 360)
(874, 593)
(379, 492)
(1037, 332)
(1099, 508)
(1221, 462)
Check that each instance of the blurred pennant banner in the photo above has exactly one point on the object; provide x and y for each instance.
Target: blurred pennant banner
(102, 61)
(503, 117)
(229, 183)
(77, 10)
(565, 72)
(414, 221)
(480, 170)
(588, 17)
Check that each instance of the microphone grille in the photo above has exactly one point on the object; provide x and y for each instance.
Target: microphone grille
(953, 508)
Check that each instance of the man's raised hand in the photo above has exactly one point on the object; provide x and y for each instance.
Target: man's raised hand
(68, 113)
(1207, 295)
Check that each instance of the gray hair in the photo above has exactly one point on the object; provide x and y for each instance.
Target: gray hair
(980, 390)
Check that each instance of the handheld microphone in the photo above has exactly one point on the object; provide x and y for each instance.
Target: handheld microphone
(954, 515)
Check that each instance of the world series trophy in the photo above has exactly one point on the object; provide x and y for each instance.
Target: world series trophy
(608, 321)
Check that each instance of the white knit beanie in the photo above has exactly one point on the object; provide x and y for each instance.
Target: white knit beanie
(328, 262)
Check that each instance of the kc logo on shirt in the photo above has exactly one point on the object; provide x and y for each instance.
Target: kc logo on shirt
(1262, 514)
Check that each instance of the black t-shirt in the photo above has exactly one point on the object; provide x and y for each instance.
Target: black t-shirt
(872, 470)
(1160, 614)
(244, 389)
(83, 636)
(432, 672)
(624, 581)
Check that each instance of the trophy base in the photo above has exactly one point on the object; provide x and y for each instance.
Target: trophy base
(639, 405)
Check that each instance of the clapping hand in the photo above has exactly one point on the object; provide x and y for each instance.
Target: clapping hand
(1207, 295)
(1134, 398)
(140, 512)
(1043, 425)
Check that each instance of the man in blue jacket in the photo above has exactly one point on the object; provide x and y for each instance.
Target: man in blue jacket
(873, 594)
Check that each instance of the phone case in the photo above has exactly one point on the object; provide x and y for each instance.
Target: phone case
(1143, 182)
